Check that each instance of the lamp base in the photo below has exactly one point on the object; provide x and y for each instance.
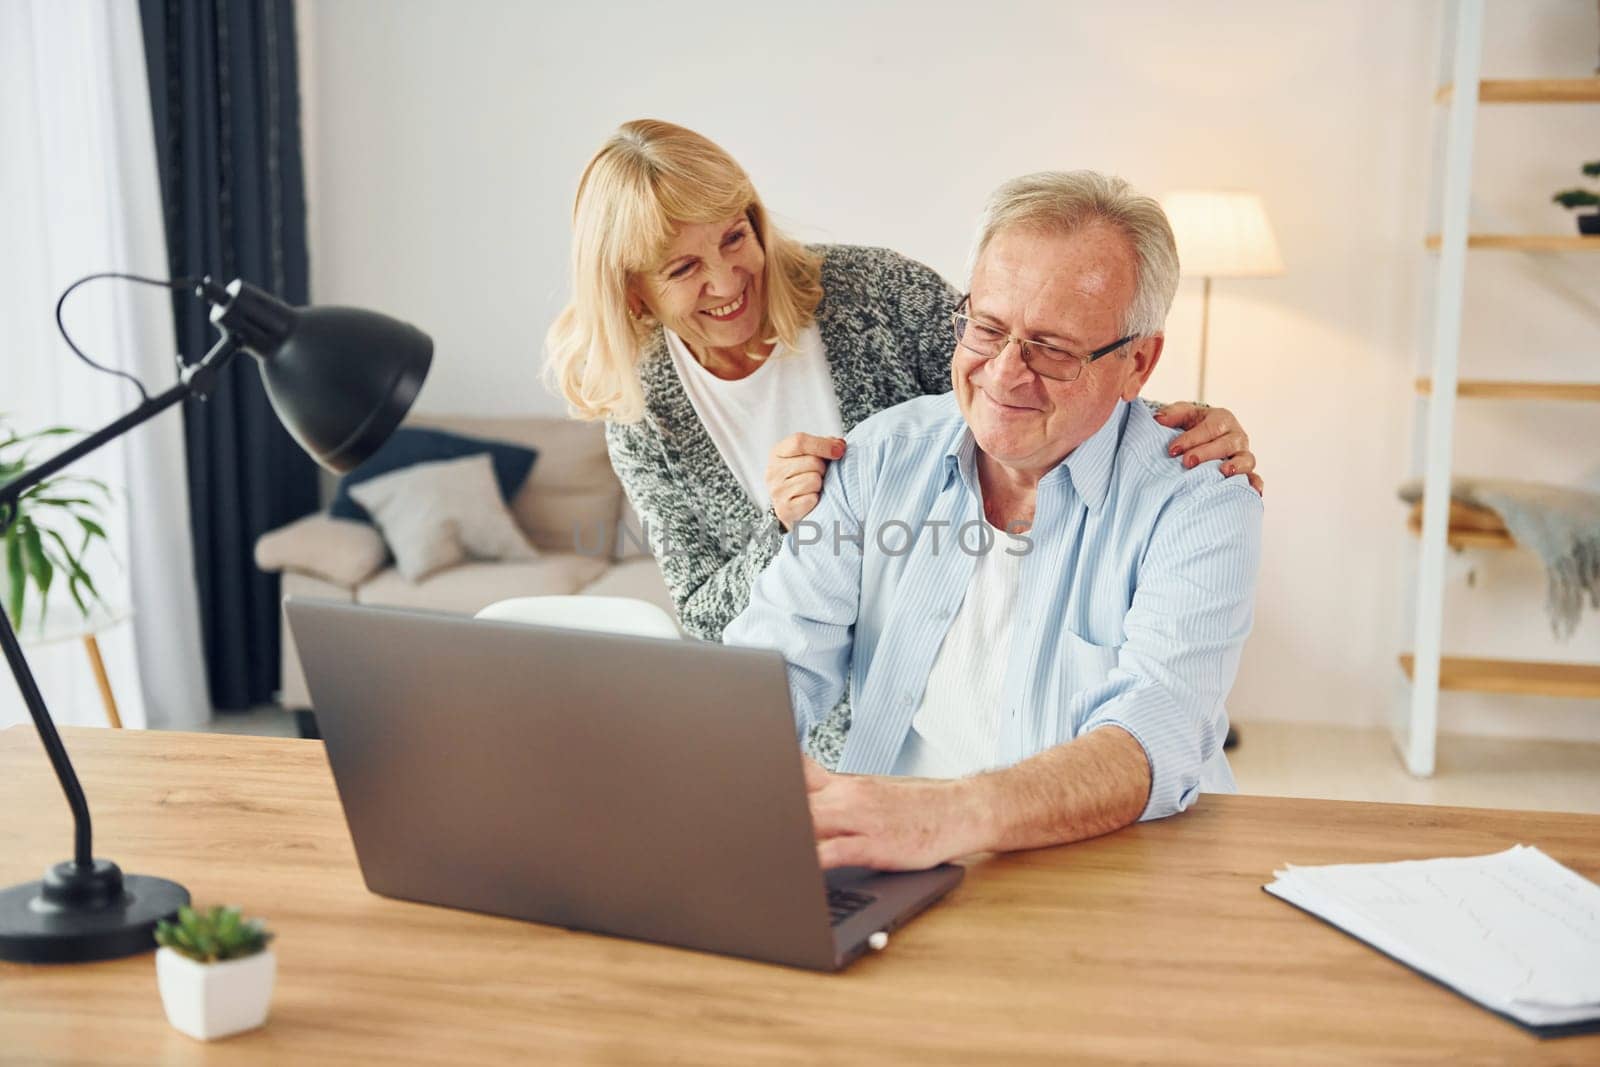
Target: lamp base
(78, 914)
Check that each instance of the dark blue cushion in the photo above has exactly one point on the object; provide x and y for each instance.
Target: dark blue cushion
(410, 446)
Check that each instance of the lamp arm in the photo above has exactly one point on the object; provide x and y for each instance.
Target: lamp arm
(195, 380)
(198, 379)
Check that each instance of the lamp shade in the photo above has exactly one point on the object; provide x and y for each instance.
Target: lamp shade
(1222, 234)
(340, 379)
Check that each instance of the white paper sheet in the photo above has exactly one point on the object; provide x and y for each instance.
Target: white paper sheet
(1515, 930)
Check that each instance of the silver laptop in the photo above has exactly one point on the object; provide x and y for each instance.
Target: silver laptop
(632, 786)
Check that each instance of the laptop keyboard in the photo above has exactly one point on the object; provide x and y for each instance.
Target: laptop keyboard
(843, 903)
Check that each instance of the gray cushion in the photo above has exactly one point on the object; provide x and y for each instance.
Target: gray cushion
(410, 445)
(434, 515)
(572, 490)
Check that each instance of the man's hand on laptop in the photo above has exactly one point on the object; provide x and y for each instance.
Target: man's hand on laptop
(1091, 785)
(891, 824)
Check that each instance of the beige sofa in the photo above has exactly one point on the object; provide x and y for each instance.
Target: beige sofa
(572, 509)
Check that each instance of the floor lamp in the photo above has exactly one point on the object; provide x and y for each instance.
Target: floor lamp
(1220, 234)
(340, 380)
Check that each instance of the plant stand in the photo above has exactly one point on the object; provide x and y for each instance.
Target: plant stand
(87, 632)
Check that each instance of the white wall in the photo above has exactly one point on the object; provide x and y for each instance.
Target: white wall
(445, 141)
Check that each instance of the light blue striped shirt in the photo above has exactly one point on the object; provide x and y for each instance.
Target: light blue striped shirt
(1136, 594)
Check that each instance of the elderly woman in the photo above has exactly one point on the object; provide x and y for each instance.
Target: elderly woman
(728, 362)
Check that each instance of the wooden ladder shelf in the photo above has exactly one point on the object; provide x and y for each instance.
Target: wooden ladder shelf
(1469, 527)
(1520, 677)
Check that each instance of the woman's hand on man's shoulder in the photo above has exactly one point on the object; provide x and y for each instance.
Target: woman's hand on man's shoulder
(795, 471)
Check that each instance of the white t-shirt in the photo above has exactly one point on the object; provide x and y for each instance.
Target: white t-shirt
(791, 392)
(956, 731)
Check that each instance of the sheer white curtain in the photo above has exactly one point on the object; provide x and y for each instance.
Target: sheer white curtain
(79, 194)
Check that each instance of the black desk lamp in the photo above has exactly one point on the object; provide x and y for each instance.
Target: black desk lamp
(340, 380)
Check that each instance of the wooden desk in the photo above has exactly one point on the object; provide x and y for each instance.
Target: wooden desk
(1154, 944)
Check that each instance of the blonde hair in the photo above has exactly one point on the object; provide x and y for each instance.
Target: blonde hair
(1065, 201)
(647, 179)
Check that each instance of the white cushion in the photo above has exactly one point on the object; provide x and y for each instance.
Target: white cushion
(434, 515)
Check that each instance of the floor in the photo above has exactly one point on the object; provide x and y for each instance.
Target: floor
(1331, 762)
(268, 720)
(1338, 763)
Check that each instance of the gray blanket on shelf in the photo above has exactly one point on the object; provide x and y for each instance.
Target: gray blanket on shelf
(1560, 525)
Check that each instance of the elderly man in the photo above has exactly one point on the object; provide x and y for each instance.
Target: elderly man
(1038, 614)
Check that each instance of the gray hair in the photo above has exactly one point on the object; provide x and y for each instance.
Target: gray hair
(1067, 201)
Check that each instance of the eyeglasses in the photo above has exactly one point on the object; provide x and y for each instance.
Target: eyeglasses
(1045, 360)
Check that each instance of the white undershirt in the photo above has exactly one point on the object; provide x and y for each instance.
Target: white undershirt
(791, 392)
(956, 731)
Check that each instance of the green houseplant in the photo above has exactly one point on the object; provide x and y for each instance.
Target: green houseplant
(215, 972)
(211, 936)
(1589, 222)
(52, 528)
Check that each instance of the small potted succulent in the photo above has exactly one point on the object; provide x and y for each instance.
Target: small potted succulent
(215, 972)
(1589, 222)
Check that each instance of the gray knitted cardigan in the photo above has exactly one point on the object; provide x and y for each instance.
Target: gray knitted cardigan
(885, 327)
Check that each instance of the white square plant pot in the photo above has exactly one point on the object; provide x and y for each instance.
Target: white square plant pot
(212, 1000)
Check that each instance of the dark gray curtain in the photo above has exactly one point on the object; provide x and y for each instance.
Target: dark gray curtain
(224, 91)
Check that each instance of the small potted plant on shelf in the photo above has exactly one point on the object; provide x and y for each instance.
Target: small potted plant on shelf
(1589, 222)
(215, 972)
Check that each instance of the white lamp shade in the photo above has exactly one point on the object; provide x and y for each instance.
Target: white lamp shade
(1222, 234)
